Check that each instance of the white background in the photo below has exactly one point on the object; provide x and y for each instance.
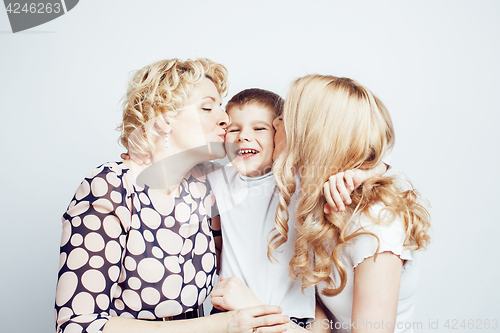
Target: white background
(435, 64)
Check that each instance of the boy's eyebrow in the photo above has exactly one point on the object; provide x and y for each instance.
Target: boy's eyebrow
(254, 122)
(261, 122)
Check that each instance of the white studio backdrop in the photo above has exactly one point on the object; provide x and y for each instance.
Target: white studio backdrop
(433, 63)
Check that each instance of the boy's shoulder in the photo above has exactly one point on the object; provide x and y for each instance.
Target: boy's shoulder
(217, 171)
(213, 166)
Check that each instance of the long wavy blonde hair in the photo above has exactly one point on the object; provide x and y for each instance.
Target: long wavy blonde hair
(335, 124)
(162, 88)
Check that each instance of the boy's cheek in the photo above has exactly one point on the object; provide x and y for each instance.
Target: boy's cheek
(268, 163)
(229, 137)
(267, 139)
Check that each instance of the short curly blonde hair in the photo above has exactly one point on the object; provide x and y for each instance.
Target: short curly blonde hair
(162, 88)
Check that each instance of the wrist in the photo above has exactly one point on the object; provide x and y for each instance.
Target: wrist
(219, 321)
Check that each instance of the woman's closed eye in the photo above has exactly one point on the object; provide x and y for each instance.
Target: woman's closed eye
(207, 106)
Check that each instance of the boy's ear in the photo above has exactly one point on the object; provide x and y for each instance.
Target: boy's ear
(164, 123)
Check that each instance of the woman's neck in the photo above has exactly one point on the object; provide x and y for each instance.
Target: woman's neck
(166, 171)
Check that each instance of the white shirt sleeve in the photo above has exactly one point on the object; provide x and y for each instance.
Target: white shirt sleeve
(391, 237)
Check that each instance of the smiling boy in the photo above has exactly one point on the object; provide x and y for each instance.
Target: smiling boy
(247, 201)
(251, 131)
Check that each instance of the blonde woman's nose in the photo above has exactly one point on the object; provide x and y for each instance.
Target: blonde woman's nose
(223, 124)
(223, 120)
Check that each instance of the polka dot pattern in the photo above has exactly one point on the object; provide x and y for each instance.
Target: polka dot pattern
(130, 264)
(76, 240)
(96, 262)
(82, 191)
(92, 222)
(132, 251)
(99, 187)
(93, 280)
(151, 296)
(94, 242)
(150, 270)
(134, 283)
(62, 259)
(76, 221)
(102, 301)
(114, 273)
(77, 258)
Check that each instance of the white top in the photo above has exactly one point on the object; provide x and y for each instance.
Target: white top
(247, 206)
(391, 238)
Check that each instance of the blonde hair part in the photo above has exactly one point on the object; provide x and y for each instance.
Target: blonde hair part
(332, 125)
(162, 88)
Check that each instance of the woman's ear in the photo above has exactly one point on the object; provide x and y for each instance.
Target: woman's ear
(163, 122)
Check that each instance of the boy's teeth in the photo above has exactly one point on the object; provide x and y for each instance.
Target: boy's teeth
(247, 151)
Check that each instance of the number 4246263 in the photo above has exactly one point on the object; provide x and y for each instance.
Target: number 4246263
(33, 8)
(471, 324)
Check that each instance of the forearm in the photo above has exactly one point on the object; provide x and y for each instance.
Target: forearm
(377, 170)
(213, 323)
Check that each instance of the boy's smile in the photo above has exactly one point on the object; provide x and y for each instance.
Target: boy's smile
(251, 131)
(246, 153)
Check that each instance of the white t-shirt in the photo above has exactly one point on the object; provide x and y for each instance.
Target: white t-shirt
(247, 206)
(391, 238)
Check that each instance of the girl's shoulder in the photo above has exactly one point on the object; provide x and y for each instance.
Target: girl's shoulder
(377, 218)
(380, 230)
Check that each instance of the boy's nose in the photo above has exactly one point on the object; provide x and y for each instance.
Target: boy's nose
(244, 136)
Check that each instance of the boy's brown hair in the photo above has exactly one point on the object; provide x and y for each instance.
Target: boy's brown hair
(262, 97)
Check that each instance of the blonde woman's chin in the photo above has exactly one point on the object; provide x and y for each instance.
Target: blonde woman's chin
(216, 150)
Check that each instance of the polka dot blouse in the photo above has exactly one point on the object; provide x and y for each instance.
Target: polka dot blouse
(133, 252)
